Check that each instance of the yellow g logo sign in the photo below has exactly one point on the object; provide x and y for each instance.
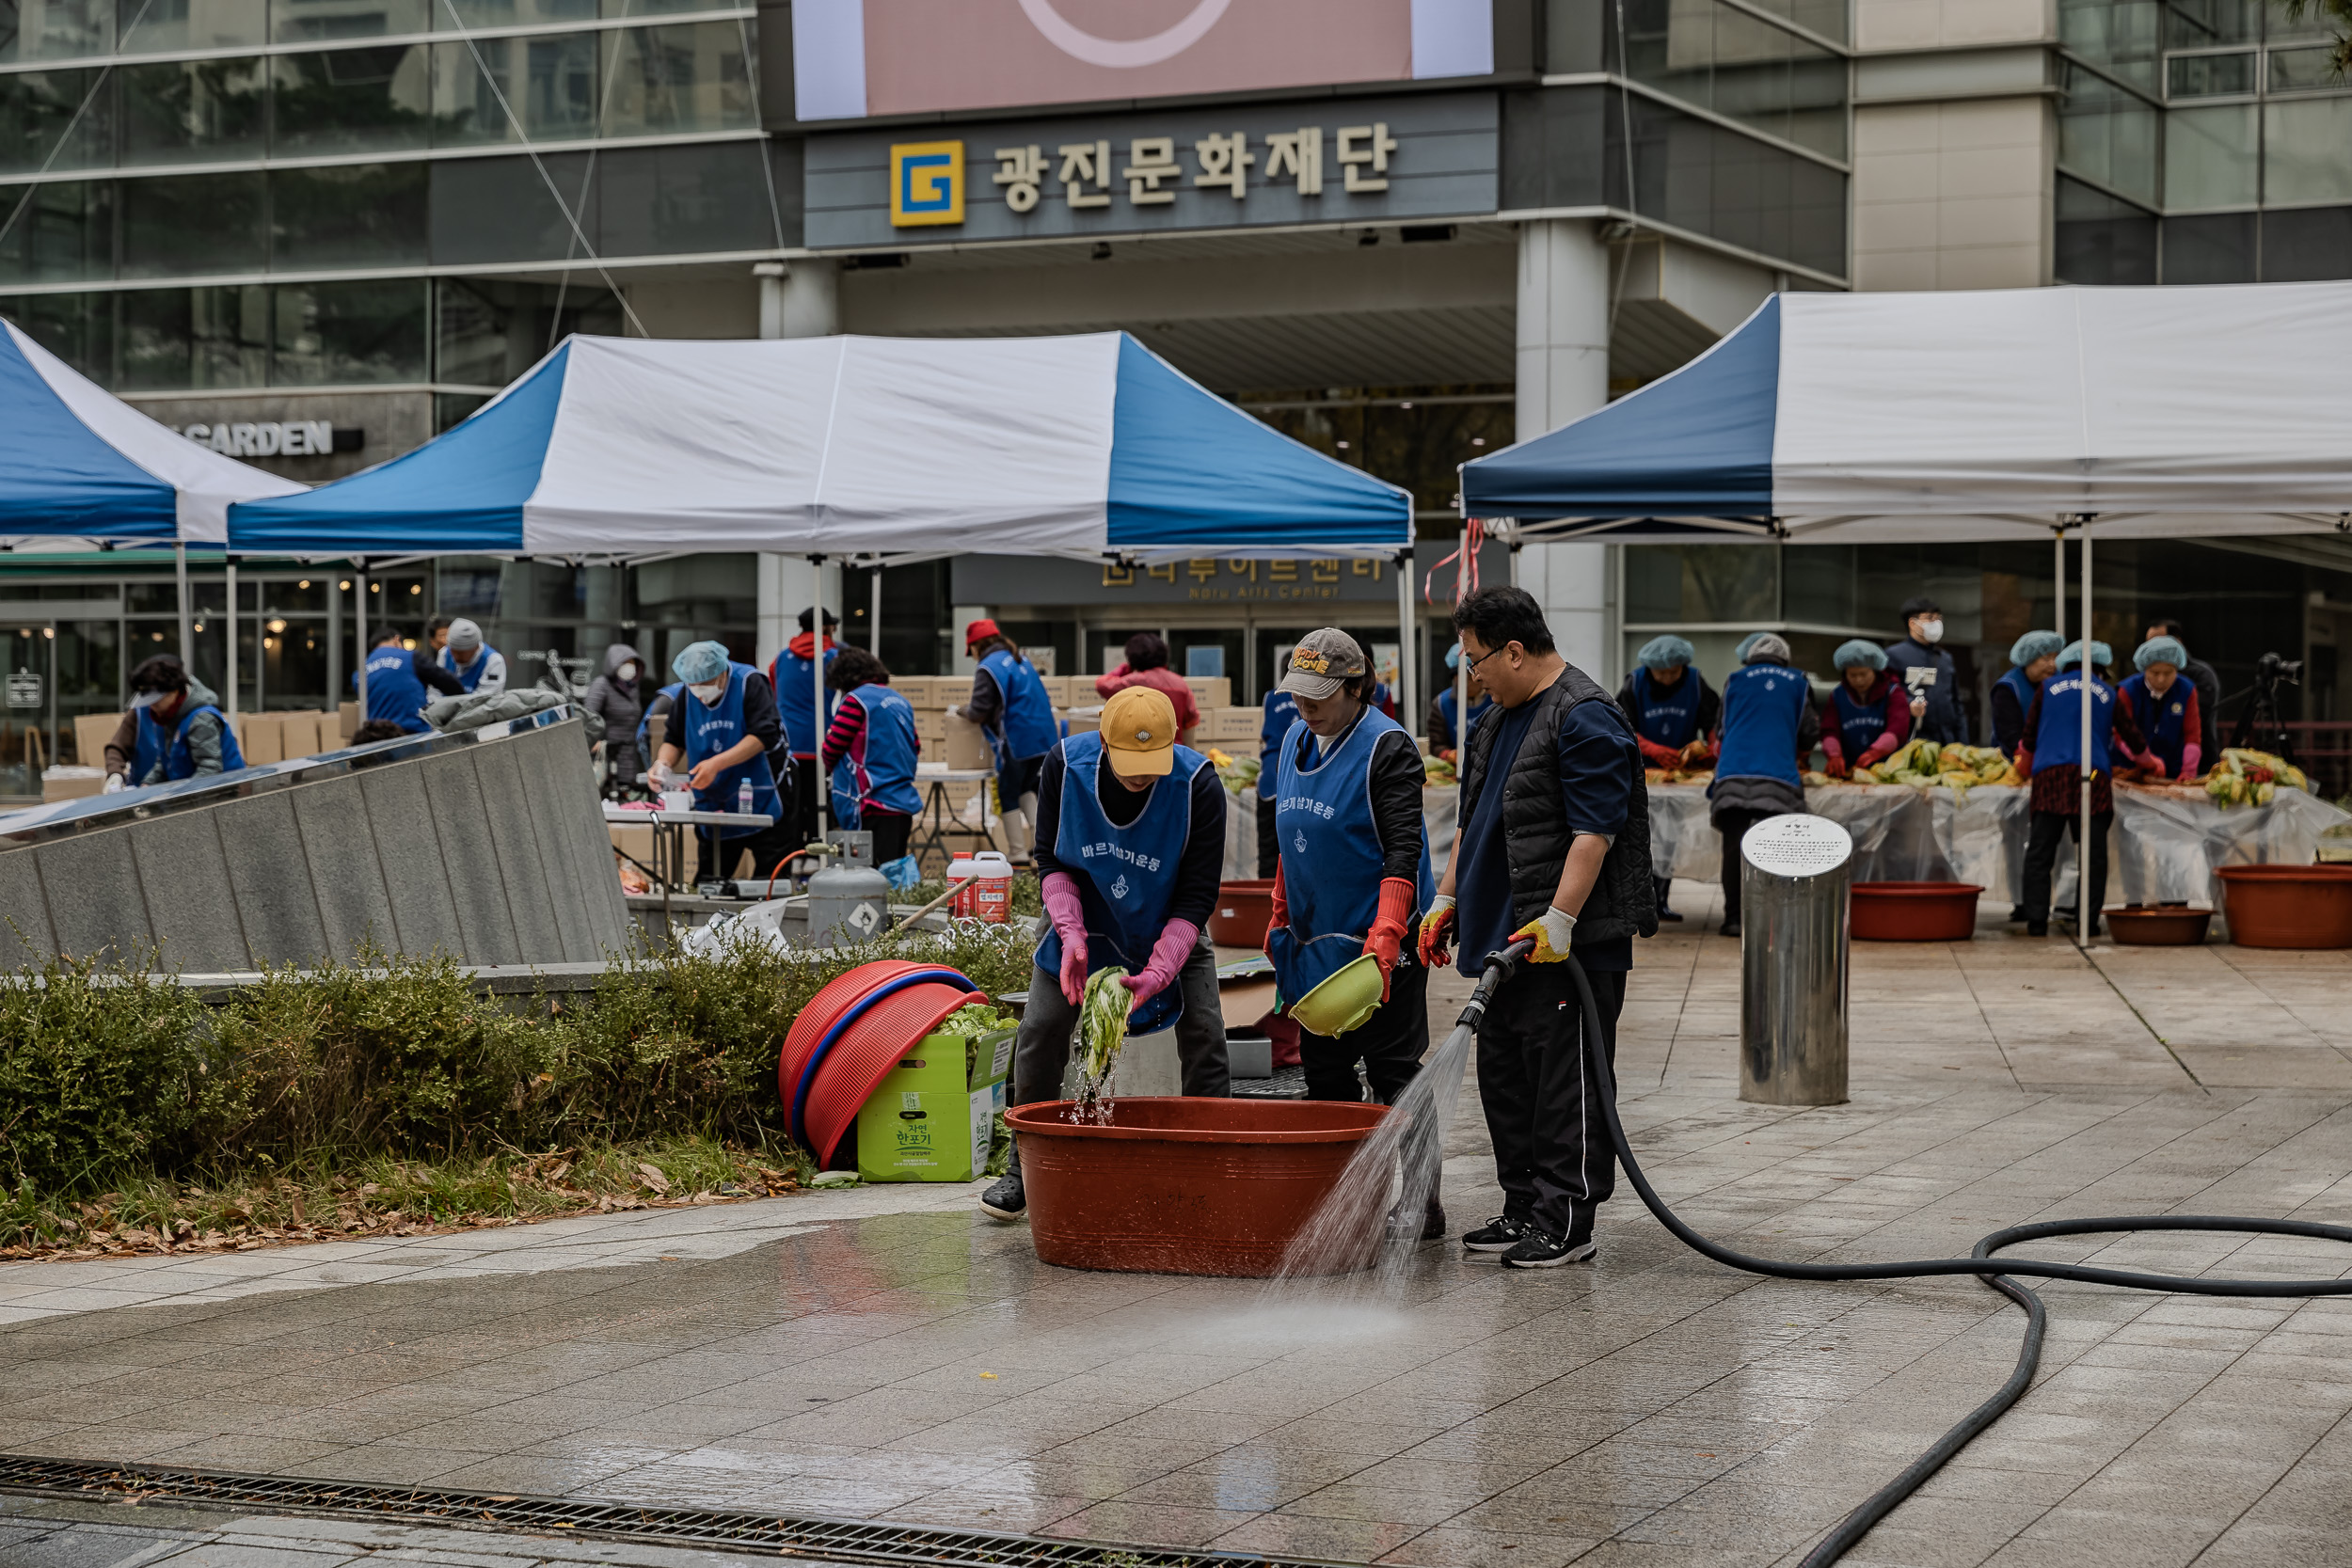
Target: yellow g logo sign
(926, 183)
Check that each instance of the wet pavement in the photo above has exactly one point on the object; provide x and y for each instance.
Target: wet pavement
(887, 1354)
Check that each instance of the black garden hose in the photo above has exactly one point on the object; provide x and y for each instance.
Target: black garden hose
(1979, 1262)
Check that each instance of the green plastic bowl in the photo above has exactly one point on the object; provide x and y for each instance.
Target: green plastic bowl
(1347, 997)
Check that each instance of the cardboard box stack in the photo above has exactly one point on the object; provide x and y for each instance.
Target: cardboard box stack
(931, 1118)
(286, 734)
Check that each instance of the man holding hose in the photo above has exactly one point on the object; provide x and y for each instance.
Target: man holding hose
(1130, 848)
(1553, 848)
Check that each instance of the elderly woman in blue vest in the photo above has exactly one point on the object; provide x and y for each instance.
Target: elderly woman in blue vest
(180, 735)
(723, 726)
(1130, 845)
(1770, 730)
(2166, 708)
(477, 666)
(2052, 759)
(1009, 701)
(2031, 658)
(1353, 877)
(873, 736)
(1281, 712)
(1675, 715)
(397, 678)
(1868, 717)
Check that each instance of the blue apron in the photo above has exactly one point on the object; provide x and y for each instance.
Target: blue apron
(2022, 688)
(1445, 711)
(2163, 721)
(1859, 725)
(468, 675)
(707, 732)
(1025, 729)
(1670, 715)
(645, 724)
(2059, 742)
(1331, 856)
(1763, 709)
(1127, 876)
(393, 691)
(1281, 712)
(791, 676)
(883, 774)
(180, 763)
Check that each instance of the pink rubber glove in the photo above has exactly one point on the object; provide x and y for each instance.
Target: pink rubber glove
(1070, 922)
(1168, 956)
(2192, 756)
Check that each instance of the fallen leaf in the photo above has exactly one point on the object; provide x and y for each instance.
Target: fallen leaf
(653, 1176)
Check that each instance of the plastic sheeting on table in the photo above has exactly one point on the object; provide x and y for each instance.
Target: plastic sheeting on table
(2169, 842)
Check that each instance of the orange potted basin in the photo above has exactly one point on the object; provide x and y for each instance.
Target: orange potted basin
(2288, 905)
(1914, 911)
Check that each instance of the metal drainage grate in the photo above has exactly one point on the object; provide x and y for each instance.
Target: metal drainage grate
(734, 1530)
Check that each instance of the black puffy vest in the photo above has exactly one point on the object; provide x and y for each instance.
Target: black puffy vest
(1536, 836)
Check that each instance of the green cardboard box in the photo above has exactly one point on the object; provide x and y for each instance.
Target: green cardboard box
(930, 1120)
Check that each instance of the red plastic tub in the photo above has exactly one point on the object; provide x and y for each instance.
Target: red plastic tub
(1914, 911)
(2158, 924)
(1178, 1185)
(2288, 905)
(1243, 909)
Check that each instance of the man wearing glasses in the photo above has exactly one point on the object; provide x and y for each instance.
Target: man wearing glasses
(1555, 846)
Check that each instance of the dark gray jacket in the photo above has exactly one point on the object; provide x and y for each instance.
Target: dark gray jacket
(1942, 721)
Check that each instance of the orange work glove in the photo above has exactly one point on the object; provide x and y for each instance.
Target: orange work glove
(1386, 936)
(1436, 932)
(1281, 915)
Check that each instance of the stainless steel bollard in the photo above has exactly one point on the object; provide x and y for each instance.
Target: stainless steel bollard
(1795, 872)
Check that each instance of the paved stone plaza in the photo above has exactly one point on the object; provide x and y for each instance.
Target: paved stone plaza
(885, 1352)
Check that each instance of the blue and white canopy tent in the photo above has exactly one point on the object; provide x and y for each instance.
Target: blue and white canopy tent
(878, 449)
(2000, 414)
(78, 464)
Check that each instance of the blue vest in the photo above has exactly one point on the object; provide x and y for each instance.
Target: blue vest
(884, 775)
(2163, 721)
(2016, 680)
(393, 691)
(469, 675)
(841, 796)
(1669, 714)
(2059, 742)
(180, 763)
(1445, 711)
(1027, 727)
(1281, 712)
(1763, 708)
(1859, 724)
(1331, 856)
(792, 677)
(645, 724)
(1127, 876)
(705, 732)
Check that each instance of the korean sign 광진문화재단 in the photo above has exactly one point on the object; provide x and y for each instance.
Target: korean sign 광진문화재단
(1368, 160)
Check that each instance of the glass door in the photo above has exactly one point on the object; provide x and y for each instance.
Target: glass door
(28, 708)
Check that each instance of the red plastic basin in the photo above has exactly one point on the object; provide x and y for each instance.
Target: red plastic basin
(1914, 911)
(2288, 905)
(1243, 909)
(1181, 1185)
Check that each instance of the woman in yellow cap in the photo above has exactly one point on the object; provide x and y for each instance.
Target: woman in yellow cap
(1130, 848)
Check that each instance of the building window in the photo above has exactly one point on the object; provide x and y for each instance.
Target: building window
(57, 29)
(375, 100)
(36, 112)
(2211, 157)
(348, 215)
(345, 334)
(2101, 239)
(2107, 135)
(167, 26)
(1732, 62)
(195, 111)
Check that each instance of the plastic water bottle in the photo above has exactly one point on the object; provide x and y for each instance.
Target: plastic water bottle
(743, 796)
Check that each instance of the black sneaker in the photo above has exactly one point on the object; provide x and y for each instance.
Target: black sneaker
(1539, 1251)
(1500, 1234)
(1731, 928)
(1005, 1199)
(2017, 915)
(1433, 1222)
(1671, 916)
(2033, 927)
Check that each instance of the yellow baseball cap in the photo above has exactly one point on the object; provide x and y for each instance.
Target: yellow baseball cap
(1139, 732)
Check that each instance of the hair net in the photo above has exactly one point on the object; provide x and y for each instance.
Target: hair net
(699, 663)
(2160, 650)
(1764, 645)
(1747, 645)
(1454, 656)
(2033, 646)
(2101, 655)
(1667, 651)
(1858, 650)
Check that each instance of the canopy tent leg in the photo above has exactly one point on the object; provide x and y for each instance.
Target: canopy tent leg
(1408, 662)
(873, 624)
(817, 662)
(359, 581)
(2058, 578)
(187, 635)
(230, 632)
(2082, 841)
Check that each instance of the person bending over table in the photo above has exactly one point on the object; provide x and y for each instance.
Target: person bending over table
(179, 733)
(1769, 729)
(1554, 845)
(1868, 718)
(723, 724)
(2031, 658)
(1130, 845)
(1353, 878)
(873, 736)
(2052, 761)
(1010, 704)
(1675, 715)
(2166, 708)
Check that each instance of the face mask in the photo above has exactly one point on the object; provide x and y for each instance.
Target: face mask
(627, 671)
(708, 695)
(1932, 631)
(147, 698)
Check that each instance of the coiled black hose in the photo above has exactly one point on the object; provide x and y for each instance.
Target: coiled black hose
(1979, 1262)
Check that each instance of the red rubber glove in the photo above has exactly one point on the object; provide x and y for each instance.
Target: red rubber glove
(2153, 763)
(1060, 891)
(1387, 937)
(1659, 755)
(1169, 954)
(1836, 767)
(1834, 754)
(2025, 763)
(1281, 915)
(1436, 933)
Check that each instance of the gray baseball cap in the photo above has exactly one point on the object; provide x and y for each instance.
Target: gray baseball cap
(1323, 659)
